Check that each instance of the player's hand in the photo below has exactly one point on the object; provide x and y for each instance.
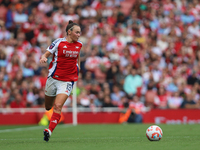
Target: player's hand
(43, 59)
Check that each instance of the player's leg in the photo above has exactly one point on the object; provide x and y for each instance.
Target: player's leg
(58, 104)
(49, 101)
(63, 91)
(50, 93)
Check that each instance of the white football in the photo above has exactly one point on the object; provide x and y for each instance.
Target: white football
(154, 133)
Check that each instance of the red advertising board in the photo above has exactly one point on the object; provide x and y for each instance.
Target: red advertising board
(82, 117)
(180, 116)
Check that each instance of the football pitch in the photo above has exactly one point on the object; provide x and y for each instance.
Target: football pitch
(100, 137)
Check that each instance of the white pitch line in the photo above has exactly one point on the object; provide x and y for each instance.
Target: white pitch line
(20, 129)
(30, 128)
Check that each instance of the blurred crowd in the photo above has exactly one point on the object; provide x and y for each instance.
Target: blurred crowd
(146, 58)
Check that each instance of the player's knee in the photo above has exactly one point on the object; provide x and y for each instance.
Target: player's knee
(57, 107)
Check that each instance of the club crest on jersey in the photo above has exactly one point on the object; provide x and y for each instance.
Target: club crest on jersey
(51, 46)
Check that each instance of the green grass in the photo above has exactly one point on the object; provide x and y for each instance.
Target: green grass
(99, 137)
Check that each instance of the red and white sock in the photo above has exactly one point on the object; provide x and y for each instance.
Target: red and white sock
(54, 121)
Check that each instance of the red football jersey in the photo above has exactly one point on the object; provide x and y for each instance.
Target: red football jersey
(64, 65)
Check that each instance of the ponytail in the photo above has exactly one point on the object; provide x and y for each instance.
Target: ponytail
(70, 25)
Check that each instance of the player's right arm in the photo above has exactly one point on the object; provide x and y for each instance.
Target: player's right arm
(45, 56)
(50, 50)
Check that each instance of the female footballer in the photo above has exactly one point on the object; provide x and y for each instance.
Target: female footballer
(63, 72)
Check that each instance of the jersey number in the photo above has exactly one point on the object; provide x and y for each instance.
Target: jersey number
(69, 87)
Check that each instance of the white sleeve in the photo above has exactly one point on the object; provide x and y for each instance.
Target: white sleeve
(54, 46)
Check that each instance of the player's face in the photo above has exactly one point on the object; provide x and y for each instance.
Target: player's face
(75, 33)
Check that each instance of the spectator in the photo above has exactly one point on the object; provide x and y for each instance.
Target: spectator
(27, 69)
(71, 15)
(194, 29)
(3, 60)
(24, 90)
(4, 33)
(3, 11)
(99, 99)
(137, 108)
(116, 95)
(4, 92)
(87, 81)
(40, 99)
(172, 87)
(111, 73)
(88, 12)
(175, 101)
(151, 96)
(46, 6)
(11, 98)
(162, 97)
(10, 17)
(107, 102)
(192, 78)
(31, 95)
(124, 103)
(132, 82)
(93, 61)
(120, 76)
(187, 18)
(40, 81)
(84, 99)
(92, 98)
(17, 102)
(125, 59)
(29, 28)
(14, 65)
(189, 102)
(19, 16)
(94, 89)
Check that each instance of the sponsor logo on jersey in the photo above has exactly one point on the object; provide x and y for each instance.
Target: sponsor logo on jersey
(77, 47)
(51, 46)
(65, 46)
